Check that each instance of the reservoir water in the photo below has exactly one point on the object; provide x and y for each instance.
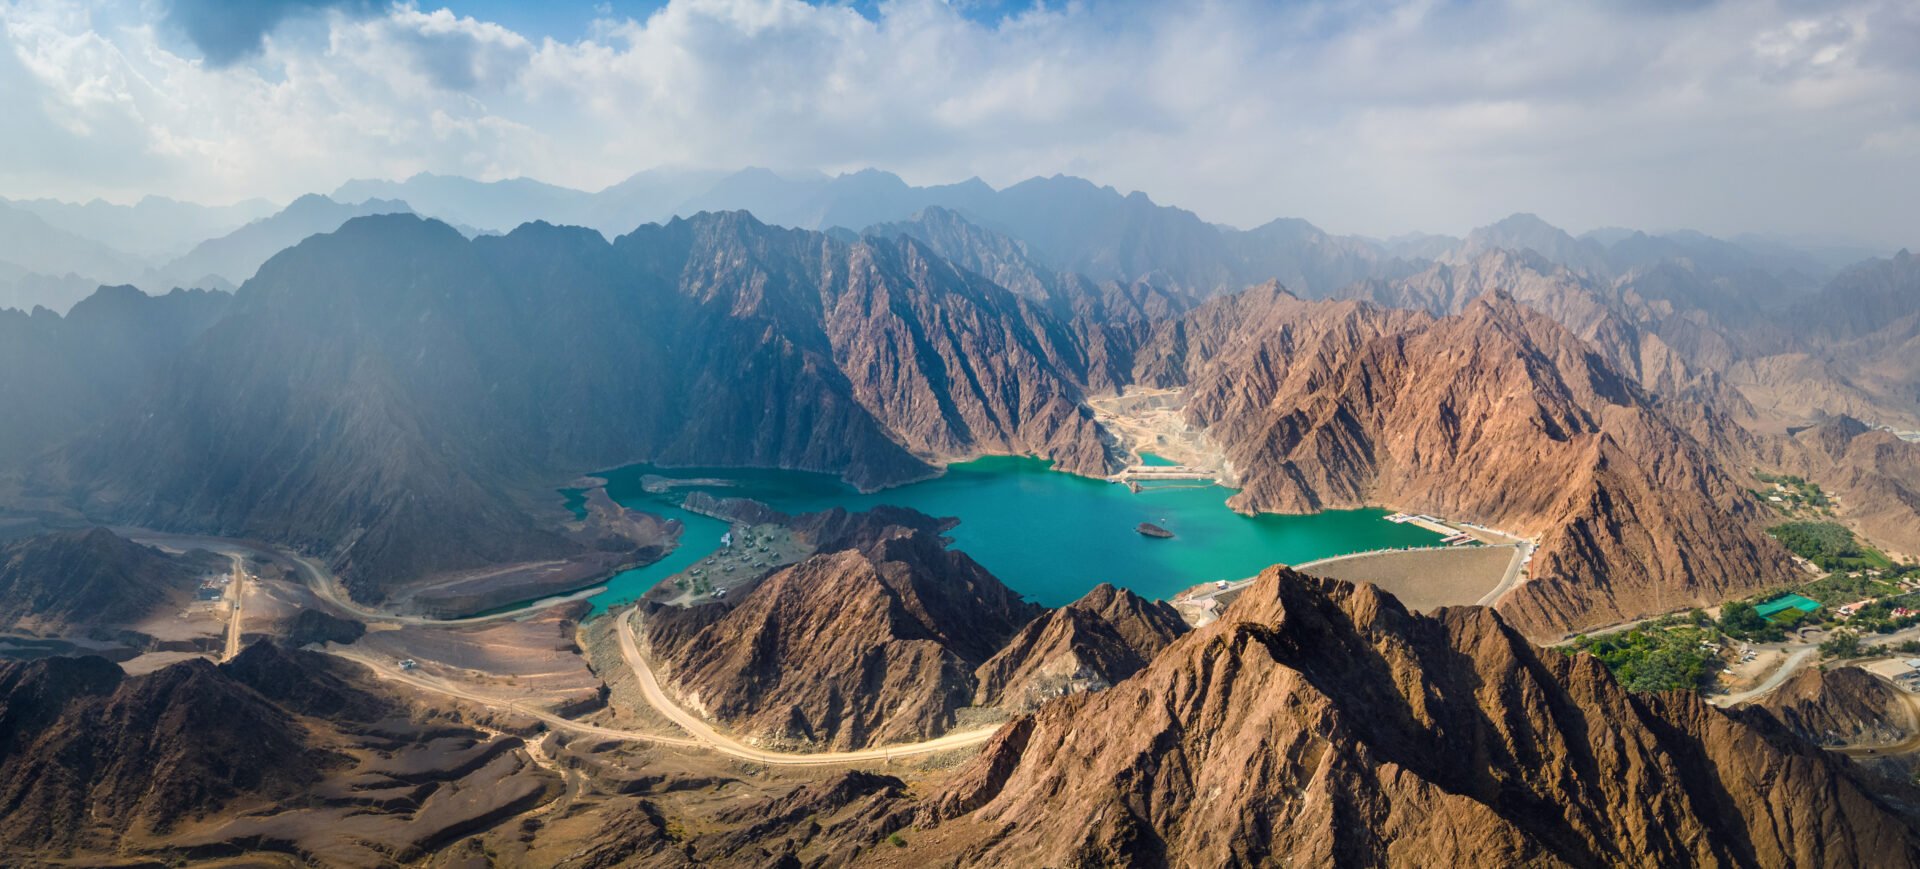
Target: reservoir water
(1050, 536)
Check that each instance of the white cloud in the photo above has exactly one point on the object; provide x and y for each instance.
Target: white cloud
(1379, 116)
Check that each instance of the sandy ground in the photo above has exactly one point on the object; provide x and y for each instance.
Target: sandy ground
(152, 661)
(1154, 420)
(185, 620)
(533, 659)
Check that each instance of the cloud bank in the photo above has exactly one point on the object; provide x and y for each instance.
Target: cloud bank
(1378, 117)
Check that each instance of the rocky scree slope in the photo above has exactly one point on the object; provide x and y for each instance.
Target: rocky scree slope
(1321, 723)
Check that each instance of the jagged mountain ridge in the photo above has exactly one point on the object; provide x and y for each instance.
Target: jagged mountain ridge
(452, 375)
(89, 756)
(869, 644)
(1497, 415)
(1384, 738)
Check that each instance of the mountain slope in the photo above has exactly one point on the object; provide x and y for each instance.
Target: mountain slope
(395, 395)
(89, 756)
(62, 375)
(1104, 637)
(238, 254)
(1377, 737)
(849, 648)
(53, 582)
(1497, 415)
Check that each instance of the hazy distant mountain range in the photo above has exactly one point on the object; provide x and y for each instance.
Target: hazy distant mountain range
(395, 391)
(1067, 224)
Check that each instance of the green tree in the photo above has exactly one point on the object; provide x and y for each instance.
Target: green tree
(1843, 644)
(1739, 618)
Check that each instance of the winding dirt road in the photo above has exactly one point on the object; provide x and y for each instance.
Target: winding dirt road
(711, 738)
(321, 581)
(384, 670)
(702, 735)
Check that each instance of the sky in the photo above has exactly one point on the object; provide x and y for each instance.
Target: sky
(1785, 117)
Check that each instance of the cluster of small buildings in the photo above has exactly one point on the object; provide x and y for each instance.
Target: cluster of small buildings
(212, 588)
(1904, 672)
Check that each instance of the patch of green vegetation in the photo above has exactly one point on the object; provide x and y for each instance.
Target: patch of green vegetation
(1829, 545)
(1838, 588)
(1739, 620)
(1792, 495)
(1678, 657)
(1842, 644)
(896, 841)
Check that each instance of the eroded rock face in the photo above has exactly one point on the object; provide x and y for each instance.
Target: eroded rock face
(88, 755)
(1497, 415)
(443, 378)
(1319, 723)
(1087, 645)
(872, 643)
(1875, 474)
(1842, 706)
(67, 579)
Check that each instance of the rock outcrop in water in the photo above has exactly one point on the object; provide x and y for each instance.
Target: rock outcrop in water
(1497, 415)
(1377, 737)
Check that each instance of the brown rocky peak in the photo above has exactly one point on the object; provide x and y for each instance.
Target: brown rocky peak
(849, 648)
(1496, 415)
(1321, 723)
(1843, 706)
(1090, 644)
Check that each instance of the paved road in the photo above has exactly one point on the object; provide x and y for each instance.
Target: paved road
(323, 584)
(236, 594)
(1521, 550)
(1796, 660)
(385, 670)
(650, 689)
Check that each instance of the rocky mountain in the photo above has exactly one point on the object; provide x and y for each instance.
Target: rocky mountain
(30, 245)
(453, 374)
(1874, 473)
(490, 205)
(1378, 737)
(859, 646)
(1088, 645)
(153, 227)
(1842, 706)
(25, 290)
(90, 756)
(52, 583)
(1527, 232)
(234, 257)
(1106, 322)
(1498, 415)
(1846, 350)
(61, 375)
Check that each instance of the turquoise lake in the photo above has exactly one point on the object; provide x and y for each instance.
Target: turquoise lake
(1049, 535)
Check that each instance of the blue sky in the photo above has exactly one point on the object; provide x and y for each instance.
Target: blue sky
(1371, 116)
